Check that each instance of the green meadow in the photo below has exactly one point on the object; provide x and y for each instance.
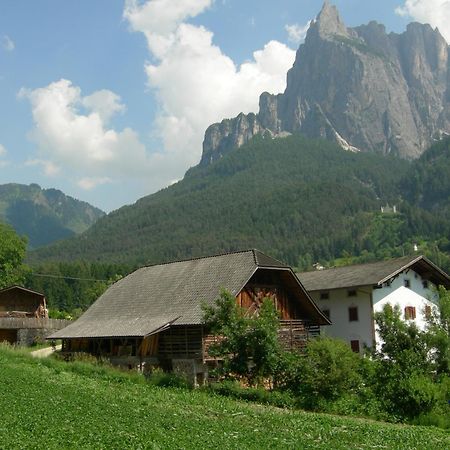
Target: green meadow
(50, 404)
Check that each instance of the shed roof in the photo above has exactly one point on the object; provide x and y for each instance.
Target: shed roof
(372, 274)
(20, 288)
(155, 297)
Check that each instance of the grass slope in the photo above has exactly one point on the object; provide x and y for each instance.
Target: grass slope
(52, 405)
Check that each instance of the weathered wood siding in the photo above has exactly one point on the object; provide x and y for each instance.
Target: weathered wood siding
(181, 342)
(17, 302)
(251, 298)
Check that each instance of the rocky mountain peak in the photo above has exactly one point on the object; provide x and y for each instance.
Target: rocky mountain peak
(360, 87)
(328, 22)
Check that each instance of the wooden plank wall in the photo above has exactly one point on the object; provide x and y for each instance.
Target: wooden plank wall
(251, 298)
(181, 342)
(18, 300)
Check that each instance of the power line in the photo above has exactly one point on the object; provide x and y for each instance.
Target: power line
(44, 275)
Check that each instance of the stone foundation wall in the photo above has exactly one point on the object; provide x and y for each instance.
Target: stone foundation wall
(194, 371)
(30, 336)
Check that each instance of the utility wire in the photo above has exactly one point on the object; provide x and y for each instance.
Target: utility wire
(63, 277)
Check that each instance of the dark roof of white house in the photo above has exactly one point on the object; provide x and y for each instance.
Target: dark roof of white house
(155, 297)
(372, 274)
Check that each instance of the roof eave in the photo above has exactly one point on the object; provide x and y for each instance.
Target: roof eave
(411, 264)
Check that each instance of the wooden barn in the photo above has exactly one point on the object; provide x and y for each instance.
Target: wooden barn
(24, 316)
(154, 316)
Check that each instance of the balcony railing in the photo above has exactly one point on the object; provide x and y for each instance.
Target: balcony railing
(16, 323)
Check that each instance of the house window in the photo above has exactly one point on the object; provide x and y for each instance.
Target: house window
(351, 293)
(410, 313)
(324, 295)
(326, 312)
(427, 311)
(407, 283)
(355, 345)
(353, 313)
(425, 284)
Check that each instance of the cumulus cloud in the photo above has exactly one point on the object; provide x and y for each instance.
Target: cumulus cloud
(434, 12)
(50, 169)
(195, 83)
(297, 33)
(7, 43)
(158, 19)
(68, 136)
(105, 103)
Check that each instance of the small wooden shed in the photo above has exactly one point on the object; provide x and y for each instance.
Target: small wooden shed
(154, 315)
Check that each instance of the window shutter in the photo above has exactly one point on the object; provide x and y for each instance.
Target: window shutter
(410, 312)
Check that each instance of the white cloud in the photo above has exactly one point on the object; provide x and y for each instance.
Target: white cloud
(297, 33)
(7, 43)
(105, 103)
(158, 19)
(50, 169)
(434, 12)
(90, 183)
(194, 82)
(69, 138)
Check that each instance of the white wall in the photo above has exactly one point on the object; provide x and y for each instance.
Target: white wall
(338, 305)
(394, 293)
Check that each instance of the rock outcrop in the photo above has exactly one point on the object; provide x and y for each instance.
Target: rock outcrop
(361, 87)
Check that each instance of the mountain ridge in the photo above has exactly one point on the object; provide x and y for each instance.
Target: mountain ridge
(44, 215)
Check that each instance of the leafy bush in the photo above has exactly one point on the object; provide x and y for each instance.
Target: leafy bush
(249, 346)
(166, 379)
(438, 333)
(329, 370)
(230, 388)
(404, 373)
(439, 416)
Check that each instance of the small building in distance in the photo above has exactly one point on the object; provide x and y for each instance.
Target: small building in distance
(154, 316)
(349, 296)
(24, 316)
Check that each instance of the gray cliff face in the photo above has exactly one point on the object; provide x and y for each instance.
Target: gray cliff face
(362, 88)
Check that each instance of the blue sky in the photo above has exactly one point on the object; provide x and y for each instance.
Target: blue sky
(108, 100)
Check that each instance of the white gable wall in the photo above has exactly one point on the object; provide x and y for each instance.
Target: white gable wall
(416, 285)
(404, 297)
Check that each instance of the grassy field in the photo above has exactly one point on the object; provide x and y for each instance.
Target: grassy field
(54, 405)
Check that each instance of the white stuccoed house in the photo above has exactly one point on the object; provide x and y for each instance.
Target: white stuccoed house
(351, 295)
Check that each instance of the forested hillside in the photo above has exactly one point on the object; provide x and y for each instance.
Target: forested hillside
(44, 215)
(294, 198)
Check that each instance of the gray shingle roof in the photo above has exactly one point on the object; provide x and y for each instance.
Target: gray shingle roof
(155, 296)
(371, 274)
